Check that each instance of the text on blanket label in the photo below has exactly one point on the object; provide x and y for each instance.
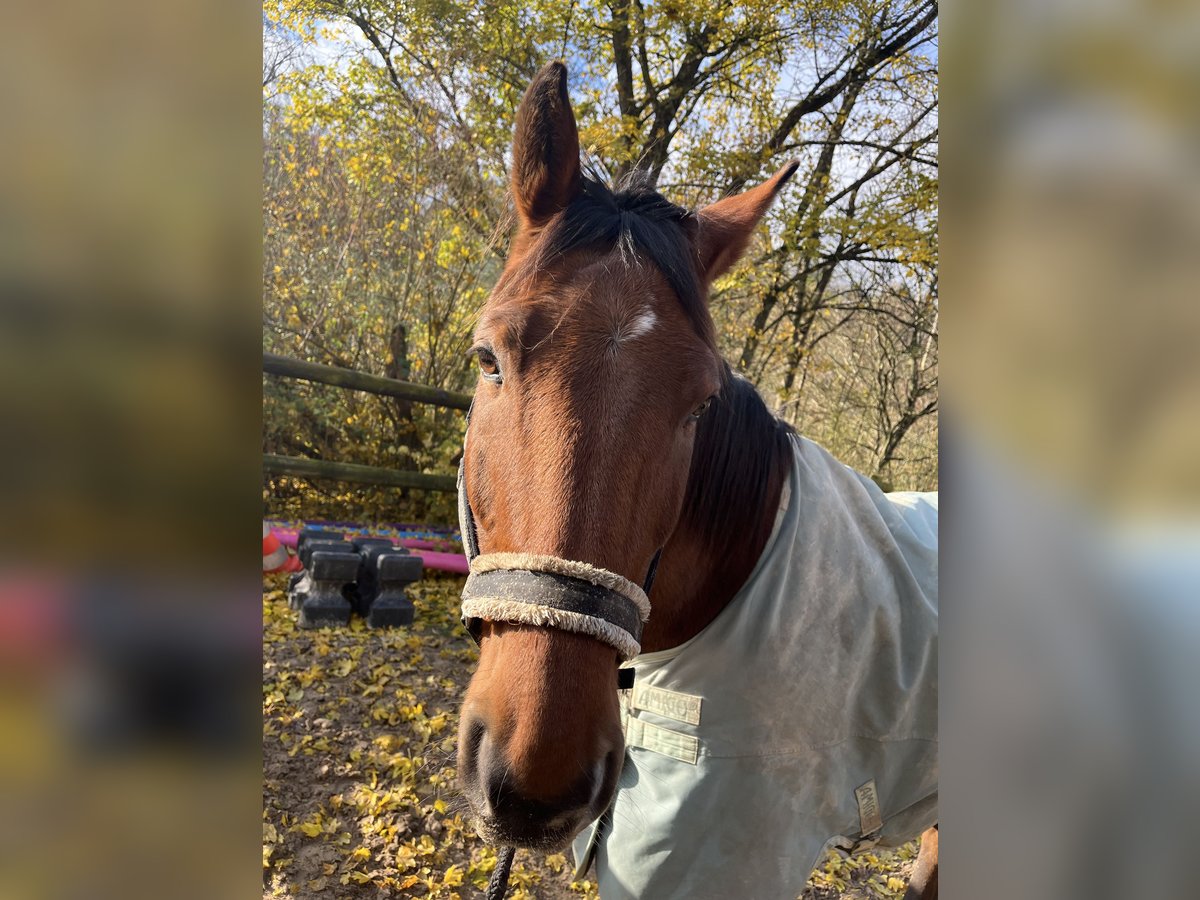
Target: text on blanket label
(869, 818)
(668, 704)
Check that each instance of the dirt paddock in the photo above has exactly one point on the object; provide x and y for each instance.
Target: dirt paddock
(359, 798)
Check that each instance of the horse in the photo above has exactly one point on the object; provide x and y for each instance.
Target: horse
(632, 508)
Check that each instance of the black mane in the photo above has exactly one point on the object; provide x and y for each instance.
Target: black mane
(635, 219)
(739, 447)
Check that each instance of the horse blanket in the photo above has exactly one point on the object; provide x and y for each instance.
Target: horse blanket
(803, 717)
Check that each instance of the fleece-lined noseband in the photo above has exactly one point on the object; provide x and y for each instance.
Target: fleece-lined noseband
(549, 592)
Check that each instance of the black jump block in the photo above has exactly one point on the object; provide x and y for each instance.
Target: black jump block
(300, 583)
(387, 604)
(322, 601)
(364, 575)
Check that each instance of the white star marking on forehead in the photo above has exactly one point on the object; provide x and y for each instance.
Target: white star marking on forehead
(641, 324)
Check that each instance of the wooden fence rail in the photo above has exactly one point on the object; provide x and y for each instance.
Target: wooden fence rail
(359, 381)
(362, 381)
(339, 471)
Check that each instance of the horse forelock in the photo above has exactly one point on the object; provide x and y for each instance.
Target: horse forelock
(625, 224)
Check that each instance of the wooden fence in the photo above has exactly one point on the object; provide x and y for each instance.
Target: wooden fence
(350, 379)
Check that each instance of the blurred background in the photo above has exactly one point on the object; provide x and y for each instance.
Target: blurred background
(130, 624)
(164, 218)
(1071, 234)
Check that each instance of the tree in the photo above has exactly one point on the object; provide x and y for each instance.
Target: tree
(387, 134)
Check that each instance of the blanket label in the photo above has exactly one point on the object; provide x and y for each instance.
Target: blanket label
(649, 736)
(668, 704)
(869, 818)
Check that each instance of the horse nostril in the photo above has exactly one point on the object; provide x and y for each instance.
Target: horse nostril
(470, 739)
(488, 782)
(474, 736)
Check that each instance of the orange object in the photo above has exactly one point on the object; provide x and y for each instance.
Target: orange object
(275, 556)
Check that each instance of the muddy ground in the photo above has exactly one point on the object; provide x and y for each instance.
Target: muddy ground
(358, 768)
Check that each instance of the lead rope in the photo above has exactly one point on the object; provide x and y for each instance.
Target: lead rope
(498, 885)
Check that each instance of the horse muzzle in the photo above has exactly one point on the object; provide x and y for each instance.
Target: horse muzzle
(505, 812)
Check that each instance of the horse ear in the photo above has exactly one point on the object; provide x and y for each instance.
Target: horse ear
(545, 168)
(726, 226)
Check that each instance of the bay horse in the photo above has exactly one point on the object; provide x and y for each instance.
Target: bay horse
(631, 507)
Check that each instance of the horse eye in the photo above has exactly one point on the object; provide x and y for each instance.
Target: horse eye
(488, 364)
(702, 408)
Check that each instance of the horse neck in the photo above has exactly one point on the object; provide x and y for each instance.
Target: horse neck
(739, 465)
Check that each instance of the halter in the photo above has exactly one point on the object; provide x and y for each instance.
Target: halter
(547, 591)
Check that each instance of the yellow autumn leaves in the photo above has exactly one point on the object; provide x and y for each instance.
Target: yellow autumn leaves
(358, 740)
(870, 876)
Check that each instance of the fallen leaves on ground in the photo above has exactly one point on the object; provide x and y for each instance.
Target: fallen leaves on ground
(359, 799)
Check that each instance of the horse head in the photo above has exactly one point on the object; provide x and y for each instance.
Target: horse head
(597, 359)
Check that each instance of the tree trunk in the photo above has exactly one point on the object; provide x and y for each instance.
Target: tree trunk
(398, 367)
